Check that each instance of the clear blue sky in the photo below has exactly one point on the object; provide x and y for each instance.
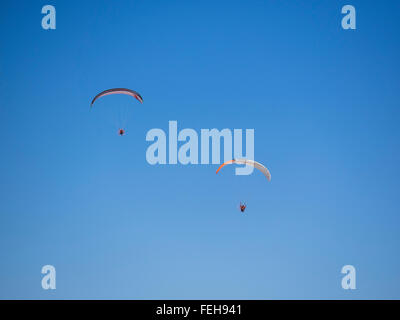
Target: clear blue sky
(324, 103)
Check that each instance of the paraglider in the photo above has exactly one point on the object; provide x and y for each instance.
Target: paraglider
(253, 163)
(125, 91)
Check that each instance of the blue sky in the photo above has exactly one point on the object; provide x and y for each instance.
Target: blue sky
(324, 104)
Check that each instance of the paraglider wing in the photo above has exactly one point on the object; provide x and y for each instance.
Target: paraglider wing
(118, 91)
(253, 163)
